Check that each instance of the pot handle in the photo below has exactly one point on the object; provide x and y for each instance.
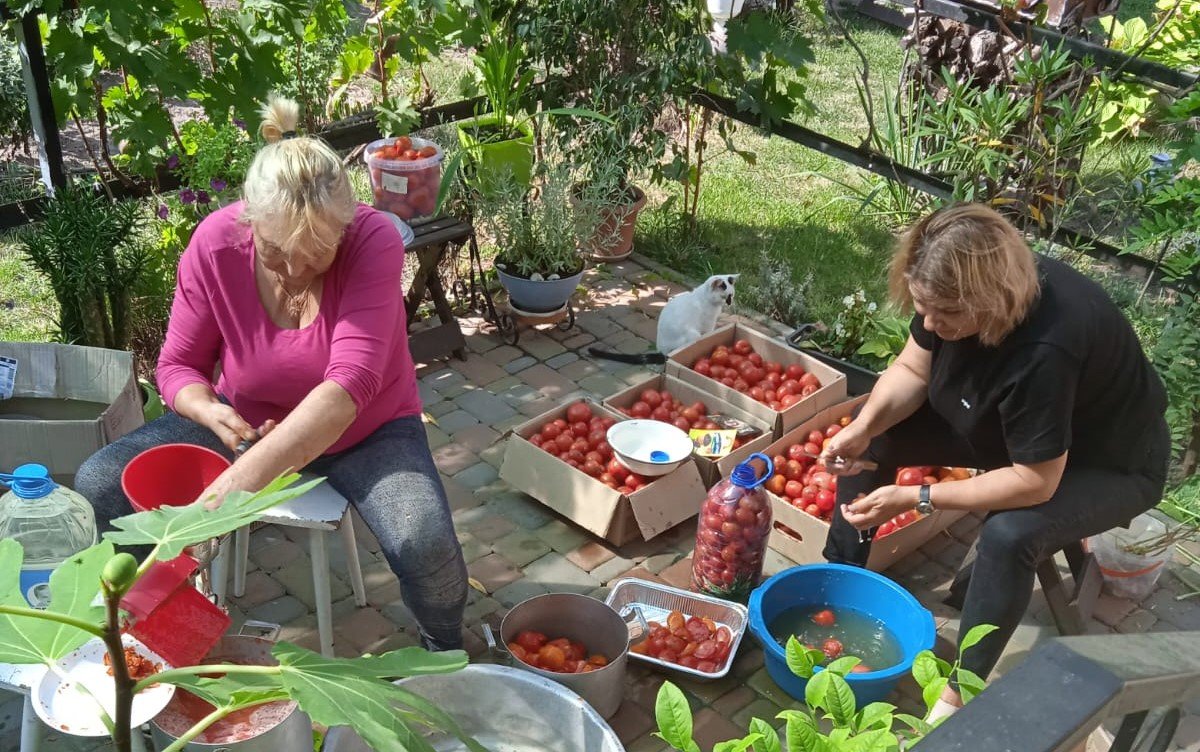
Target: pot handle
(638, 620)
(493, 645)
(264, 629)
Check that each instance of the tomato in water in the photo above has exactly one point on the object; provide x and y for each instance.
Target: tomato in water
(824, 618)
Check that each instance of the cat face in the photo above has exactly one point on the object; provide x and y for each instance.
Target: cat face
(720, 288)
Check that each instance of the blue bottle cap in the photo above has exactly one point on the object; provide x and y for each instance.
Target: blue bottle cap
(745, 476)
(30, 481)
(658, 456)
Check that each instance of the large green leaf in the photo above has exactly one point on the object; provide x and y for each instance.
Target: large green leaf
(175, 528)
(839, 699)
(770, 738)
(73, 589)
(674, 717)
(352, 692)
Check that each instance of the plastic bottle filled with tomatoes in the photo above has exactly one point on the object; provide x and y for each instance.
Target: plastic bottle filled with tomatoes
(731, 538)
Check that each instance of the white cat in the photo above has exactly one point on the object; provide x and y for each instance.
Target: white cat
(684, 319)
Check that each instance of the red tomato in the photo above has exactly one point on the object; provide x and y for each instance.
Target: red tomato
(593, 468)
(861, 668)
(742, 347)
(651, 397)
(824, 618)
(788, 400)
(812, 449)
(531, 641)
(661, 413)
(640, 409)
(809, 494)
(550, 431)
(579, 412)
(773, 366)
(885, 529)
(810, 380)
(832, 430)
(795, 371)
(793, 489)
(703, 367)
(831, 648)
(909, 476)
(813, 510)
(682, 424)
(580, 429)
(808, 390)
(617, 470)
(816, 437)
(427, 151)
(720, 357)
(826, 500)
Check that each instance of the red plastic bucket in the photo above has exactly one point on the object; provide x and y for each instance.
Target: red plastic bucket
(170, 475)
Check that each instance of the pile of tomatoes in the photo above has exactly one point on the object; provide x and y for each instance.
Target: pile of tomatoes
(832, 647)
(580, 440)
(662, 406)
(766, 381)
(560, 655)
(917, 476)
(690, 641)
(419, 197)
(803, 481)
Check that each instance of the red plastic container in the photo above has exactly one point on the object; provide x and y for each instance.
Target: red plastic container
(170, 475)
(731, 538)
(166, 613)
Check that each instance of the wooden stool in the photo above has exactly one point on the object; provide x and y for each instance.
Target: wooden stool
(434, 238)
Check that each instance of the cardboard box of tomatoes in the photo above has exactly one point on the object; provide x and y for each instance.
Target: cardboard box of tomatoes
(645, 400)
(759, 374)
(591, 488)
(799, 534)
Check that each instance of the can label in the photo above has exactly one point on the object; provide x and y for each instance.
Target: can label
(394, 183)
(35, 585)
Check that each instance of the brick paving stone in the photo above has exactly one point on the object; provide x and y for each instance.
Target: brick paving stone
(481, 343)
(562, 359)
(578, 370)
(678, 574)
(520, 394)
(460, 496)
(710, 728)
(279, 611)
(935, 545)
(428, 394)
(521, 509)
(659, 562)
(542, 348)
(749, 659)
(634, 376)
(363, 627)
(503, 355)
(929, 575)
(455, 421)
(734, 700)
(536, 407)
(260, 588)
(276, 554)
(297, 579)
(397, 613)
(523, 589)
(472, 548)
(477, 438)
(577, 341)
(1111, 610)
(485, 406)
(548, 381)
(965, 528)
(481, 608)
(512, 423)
(555, 572)
(952, 555)
(1183, 615)
(638, 573)
(453, 458)
(611, 569)
(443, 379)
(520, 547)
(444, 407)
(479, 474)
(630, 722)
(501, 385)
(602, 385)
(490, 527)
(601, 593)
(596, 323)
(760, 708)
(493, 572)
(394, 641)
(1139, 620)
(494, 455)
(561, 536)
(478, 370)
(912, 561)
(760, 681)
(520, 364)
(648, 743)
(435, 437)
(1024, 639)
(590, 555)
(708, 692)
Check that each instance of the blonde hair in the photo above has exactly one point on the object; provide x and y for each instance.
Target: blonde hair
(297, 185)
(972, 256)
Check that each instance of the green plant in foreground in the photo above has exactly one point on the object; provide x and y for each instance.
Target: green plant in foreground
(829, 698)
(332, 691)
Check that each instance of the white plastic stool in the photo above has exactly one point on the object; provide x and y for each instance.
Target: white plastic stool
(322, 510)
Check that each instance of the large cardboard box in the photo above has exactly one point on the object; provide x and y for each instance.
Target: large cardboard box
(801, 537)
(619, 519)
(833, 381)
(63, 436)
(711, 470)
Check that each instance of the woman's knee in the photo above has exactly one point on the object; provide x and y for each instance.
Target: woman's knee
(1009, 536)
(99, 481)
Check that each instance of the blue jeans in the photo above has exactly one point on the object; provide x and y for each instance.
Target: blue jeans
(389, 477)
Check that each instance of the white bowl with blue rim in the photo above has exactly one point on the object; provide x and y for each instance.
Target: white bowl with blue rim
(406, 232)
(649, 447)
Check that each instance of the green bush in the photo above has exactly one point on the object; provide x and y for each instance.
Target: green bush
(15, 129)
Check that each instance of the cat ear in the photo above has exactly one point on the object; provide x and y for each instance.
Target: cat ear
(733, 278)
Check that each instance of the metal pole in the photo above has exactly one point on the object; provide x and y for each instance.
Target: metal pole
(41, 105)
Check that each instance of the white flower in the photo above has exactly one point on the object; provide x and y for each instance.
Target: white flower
(536, 277)
(554, 276)
(871, 308)
(848, 301)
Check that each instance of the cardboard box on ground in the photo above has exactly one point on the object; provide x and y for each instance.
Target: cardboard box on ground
(711, 470)
(833, 381)
(801, 537)
(609, 514)
(68, 402)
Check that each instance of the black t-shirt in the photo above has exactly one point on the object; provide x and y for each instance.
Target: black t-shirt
(1071, 376)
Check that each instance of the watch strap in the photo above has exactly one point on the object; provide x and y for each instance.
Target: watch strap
(924, 505)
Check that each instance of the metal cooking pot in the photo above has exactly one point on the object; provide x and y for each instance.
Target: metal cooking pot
(583, 619)
(502, 709)
(293, 732)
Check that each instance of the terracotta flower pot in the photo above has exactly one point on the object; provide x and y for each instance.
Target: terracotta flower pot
(613, 238)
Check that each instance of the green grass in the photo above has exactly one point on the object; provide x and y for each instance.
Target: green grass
(27, 306)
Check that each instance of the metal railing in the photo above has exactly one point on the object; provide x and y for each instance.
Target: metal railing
(1068, 686)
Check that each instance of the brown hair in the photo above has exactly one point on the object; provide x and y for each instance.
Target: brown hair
(970, 255)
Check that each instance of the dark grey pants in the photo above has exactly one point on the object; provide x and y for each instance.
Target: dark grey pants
(389, 477)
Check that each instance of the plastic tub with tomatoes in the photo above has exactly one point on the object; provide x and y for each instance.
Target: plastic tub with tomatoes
(405, 175)
(701, 619)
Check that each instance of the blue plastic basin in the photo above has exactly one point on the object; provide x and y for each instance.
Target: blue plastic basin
(840, 586)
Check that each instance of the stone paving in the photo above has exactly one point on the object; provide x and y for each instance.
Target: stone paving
(516, 548)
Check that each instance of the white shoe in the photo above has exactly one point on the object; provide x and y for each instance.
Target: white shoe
(940, 711)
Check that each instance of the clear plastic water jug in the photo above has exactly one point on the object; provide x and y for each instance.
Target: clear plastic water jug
(50, 522)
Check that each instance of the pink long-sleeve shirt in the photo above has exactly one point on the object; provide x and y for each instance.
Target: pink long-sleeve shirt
(358, 340)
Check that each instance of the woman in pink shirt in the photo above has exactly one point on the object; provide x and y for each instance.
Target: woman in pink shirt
(296, 293)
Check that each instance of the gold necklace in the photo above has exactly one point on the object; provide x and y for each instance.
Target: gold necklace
(294, 303)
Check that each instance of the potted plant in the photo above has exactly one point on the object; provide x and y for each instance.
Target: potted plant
(537, 236)
(607, 155)
(85, 611)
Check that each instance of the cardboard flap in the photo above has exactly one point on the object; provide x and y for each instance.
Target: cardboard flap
(668, 501)
(570, 492)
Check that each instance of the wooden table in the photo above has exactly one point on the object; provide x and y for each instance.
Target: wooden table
(435, 239)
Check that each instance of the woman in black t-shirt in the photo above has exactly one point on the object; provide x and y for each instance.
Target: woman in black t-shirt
(1020, 366)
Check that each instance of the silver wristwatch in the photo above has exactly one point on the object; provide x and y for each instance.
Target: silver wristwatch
(924, 505)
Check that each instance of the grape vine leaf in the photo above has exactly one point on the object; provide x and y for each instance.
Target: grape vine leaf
(175, 528)
(73, 588)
